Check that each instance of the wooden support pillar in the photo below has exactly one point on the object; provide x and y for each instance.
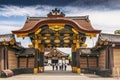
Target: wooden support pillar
(2, 59)
(36, 62)
(27, 62)
(18, 62)
(78, 55)
(41, 58)
(5, 58)
(107, 57)
(78, 60)
(87, 62)
(97, 61)
(111, 58)
(73, 58)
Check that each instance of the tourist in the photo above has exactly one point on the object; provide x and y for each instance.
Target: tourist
(56, 66)
(53, 65)
(65, 66)
(60, 66)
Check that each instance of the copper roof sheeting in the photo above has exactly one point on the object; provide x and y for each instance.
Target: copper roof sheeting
(82, 23)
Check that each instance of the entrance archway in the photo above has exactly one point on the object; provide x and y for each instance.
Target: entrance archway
(56, 30)
(57, 59)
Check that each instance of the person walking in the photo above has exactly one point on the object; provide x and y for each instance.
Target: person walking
(60, 66)
(65, 66)
(53, 65)
(56, 66)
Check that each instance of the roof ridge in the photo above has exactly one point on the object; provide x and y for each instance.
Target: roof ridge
(5, 34)
(73, 17)
(109, 34)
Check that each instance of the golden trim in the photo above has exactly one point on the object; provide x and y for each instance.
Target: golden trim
(98, 46)
(12, 42)
(41, 48)
(49, 45)
(66, 41)
(47, 34)
(74, 41)
(74, 31)
(47, 41)
(22, 35)
(66, 45)
(66, 34)
(56, 26)
(57, 41)
(78, 70)
(77, 43)
(35, 70)
(36, 44)
(5, 43)
(84, 45)
(106, 43)
(41, 69)
(58, 45)
(37, 31)
(75, 69)
(100, 41)
(91, 35)
(73, 48)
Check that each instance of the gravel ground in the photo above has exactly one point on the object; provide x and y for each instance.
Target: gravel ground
(57, 75)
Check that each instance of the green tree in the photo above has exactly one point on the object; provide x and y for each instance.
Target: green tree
(117, 31)
(70, 57)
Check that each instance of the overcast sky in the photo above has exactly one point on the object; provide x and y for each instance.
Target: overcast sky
(103, 14)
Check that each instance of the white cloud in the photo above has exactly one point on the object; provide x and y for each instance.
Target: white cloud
(38, 10)
(7, 29)
(106, 20)
(9, 22)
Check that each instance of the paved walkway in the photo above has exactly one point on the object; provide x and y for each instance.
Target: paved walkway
(57, 75)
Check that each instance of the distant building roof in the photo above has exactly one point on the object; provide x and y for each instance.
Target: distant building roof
(88, 52)
(56, 52)
(6, 37)
(26, 52)
(110, 37)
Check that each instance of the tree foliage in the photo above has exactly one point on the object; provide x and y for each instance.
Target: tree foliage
(117, 32)
(69, 57)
